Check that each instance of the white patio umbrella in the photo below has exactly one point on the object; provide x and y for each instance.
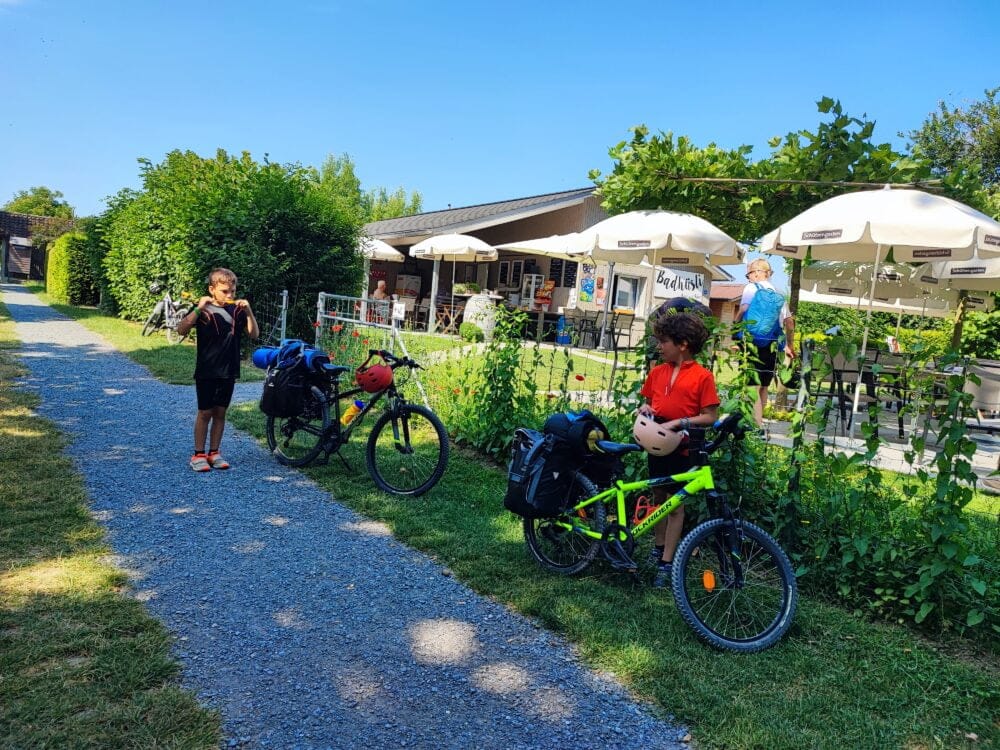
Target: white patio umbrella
(371, 249)
(980, 275)
(864, 226)
(573, 246)
(663, 238)
(855, 279)
(453, 247)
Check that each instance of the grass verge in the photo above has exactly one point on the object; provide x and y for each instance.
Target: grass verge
(81, 665)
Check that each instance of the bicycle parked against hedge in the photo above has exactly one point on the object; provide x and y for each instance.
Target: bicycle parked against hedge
(167, 313)
(407, 449)
(732, 582)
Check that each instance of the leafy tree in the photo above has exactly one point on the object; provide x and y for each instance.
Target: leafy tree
(953, 139)
(338, 181)
(747, 198)
(40, 201)
(265, 221)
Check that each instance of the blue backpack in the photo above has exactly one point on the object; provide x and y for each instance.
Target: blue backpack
(763, 316)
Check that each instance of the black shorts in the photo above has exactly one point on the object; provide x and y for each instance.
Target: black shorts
(768, 356)
(213, 392)
(665, 466)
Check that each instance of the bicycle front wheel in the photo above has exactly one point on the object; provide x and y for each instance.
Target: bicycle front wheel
(173, 318)
(558, 544)
(734, 586)
(295, 441)
(407, 450)
(153, 321)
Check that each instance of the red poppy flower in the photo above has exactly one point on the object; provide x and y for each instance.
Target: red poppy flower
(456, 391)
(579, 377)
(355, 334)
(364, 341)
(337, 328)
(316, 324)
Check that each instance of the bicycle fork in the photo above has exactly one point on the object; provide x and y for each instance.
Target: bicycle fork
(727, 543)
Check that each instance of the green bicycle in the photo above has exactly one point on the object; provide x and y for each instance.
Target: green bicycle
(732, 582)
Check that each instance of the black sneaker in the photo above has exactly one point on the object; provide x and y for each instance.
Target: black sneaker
(663, 572)
(655, 555)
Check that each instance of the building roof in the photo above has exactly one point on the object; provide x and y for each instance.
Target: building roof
(728, 291)
(408, 229)
(19, 225)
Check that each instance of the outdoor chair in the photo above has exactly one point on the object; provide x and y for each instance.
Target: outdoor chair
(820, 380)
(621, 325)
(850, 377)
(985, 395)
(587, 328)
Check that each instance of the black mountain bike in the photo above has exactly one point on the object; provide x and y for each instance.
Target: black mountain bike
(407, 450)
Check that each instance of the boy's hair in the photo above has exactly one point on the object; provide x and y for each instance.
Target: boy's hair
(217, 274)
(682, 327)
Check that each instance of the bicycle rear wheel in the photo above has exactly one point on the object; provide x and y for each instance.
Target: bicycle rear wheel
(154, 319)
(173, 318)
(743, 602)
(557, 544)
(295, 441)
(407, 450)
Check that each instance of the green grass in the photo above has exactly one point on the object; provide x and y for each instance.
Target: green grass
(836, 681)
(81, 665)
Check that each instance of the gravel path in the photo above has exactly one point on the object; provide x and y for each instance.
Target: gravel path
(305, 624)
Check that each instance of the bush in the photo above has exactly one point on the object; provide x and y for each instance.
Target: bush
(269, 223)
(471, 332)
(68, 275)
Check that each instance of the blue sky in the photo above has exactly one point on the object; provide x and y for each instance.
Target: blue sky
(465, 102)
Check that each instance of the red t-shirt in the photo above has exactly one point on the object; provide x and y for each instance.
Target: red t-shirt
(693, 390)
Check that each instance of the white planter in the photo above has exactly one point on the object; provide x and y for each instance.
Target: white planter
(481, 311)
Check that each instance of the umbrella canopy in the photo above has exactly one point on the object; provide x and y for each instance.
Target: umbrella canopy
(664, 238)
(573, 246)
(934, 307)
(863, 226)
(372, 249)
(975, 275)
(453, 247)
(855, 279)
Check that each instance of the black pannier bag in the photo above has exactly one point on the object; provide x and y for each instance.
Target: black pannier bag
(284, 391)
(285, 383)
(540, 475)
(581, 430)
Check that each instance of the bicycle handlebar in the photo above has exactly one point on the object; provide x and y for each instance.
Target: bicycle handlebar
(393, 361)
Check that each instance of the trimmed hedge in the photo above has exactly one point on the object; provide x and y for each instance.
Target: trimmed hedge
(68, 275)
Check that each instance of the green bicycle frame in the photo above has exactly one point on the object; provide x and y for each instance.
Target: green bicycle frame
(696, 480)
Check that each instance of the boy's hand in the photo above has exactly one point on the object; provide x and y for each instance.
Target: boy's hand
(242, 303)
(645, 410)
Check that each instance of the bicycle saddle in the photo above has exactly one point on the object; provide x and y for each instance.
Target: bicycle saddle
(335, 371)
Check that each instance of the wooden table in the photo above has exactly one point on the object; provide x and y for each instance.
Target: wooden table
(447, 317)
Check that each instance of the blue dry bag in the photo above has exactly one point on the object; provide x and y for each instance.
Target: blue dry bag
(764, 316)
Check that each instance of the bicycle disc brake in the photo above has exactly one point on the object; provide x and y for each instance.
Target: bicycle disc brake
(616, 550)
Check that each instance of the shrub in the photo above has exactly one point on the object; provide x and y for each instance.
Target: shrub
(269, 223)
(471, 332)
(68, 274)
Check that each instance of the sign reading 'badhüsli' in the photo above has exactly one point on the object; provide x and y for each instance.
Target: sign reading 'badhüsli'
(671, 282)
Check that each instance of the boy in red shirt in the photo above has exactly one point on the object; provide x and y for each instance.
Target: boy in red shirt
(679, 394)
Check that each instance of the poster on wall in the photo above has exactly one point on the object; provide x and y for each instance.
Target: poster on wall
(671, 282)
(600, 292)
(587, 283)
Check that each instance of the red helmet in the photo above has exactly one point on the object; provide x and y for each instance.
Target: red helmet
(375, 378)
(653, 437)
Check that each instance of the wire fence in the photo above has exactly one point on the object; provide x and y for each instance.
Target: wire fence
(271, 311)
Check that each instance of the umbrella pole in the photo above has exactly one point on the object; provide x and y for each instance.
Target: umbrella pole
(364, 290)
(607, 291)
(432, 308)
(864, 340)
